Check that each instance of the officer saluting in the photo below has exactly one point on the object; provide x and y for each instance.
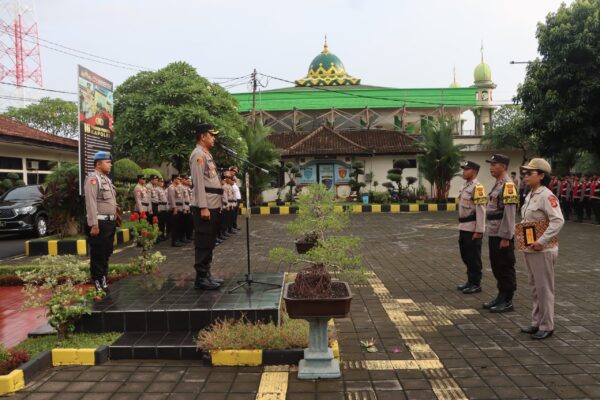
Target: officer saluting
(205, 206)
(501, 212)
(471, 217)
(101, 210)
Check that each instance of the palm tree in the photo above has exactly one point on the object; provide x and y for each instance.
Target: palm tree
(262, 153)
(440, 160)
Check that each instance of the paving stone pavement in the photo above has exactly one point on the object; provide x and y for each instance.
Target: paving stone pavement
(433, 341)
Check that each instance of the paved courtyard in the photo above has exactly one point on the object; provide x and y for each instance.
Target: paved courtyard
(433, 341)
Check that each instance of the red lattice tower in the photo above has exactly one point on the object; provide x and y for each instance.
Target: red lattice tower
(20, 59)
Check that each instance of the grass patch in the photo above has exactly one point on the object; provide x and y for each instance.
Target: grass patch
(8, 273)
(34, 346)
(229, 334)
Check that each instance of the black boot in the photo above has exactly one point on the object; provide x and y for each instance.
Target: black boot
(493, 303)
(203, 283)
(211, 278)
(505, 305)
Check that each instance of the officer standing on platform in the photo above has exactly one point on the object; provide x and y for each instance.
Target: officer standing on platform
(206, 205)
(471, 217)
(501, 212)
(175, 197)
(101, 211)
(140, 192)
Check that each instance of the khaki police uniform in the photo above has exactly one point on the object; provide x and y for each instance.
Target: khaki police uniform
(153, 195)
(501, 212)
(542, 205)
(163, 210)
(142, 199)
(207, 193)
(471, 217)
(189, 221)
(176, 202)
(101, 210)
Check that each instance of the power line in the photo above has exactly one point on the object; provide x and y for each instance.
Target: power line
(36, 88)
(405, 100)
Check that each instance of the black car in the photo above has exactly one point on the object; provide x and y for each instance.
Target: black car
(21, 211)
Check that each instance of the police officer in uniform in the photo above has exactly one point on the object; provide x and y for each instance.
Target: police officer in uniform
(176, 203)
(142, 199)
(186, 185)
(471, 217)
(163, 209)
(501, 212)
(101, 211)
(206, 205)
(153, 195)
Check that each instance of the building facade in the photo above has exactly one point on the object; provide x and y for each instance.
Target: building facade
(329, 119)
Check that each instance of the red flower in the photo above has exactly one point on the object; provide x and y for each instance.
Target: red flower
(143, 214)
(134, 217)
(155, 220)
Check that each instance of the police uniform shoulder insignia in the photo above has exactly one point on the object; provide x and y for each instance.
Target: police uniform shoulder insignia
(479, 197)
(509, 194)
(553, 201)
(200, 160)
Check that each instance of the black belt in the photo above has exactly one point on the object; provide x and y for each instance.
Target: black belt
(162, 204)
(213, 190)
(144, 204)
(178, 204)
(468, 218)
(495, 217)
(187, 204)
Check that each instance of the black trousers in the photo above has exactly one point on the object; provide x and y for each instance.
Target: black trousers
(189, 225)
(578, 206)
(162, 222)
(587, 207)
(236, 211)
(470, 252)
(205, 237)
(566, 207)
(503, 266)
(101, 248)
(177, 226)
(596, 208)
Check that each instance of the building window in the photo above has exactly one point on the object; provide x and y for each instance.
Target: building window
(11, 163)
(40, 165)
(412, 162)
(36, 179)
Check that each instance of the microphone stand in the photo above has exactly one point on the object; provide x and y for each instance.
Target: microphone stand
(249, 280)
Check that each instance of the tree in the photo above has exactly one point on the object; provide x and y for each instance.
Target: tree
(54, 116)
(262, 153)
(511, 131)
(62, 200)
(292, 172)
(440, 160)
(126, 170)
(561, 89)
(156, 110)
(357, 169)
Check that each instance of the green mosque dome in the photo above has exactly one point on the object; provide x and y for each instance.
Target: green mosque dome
(482, 73)
(327, 69)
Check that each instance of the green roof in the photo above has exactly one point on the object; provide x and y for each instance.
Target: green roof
(354, 97)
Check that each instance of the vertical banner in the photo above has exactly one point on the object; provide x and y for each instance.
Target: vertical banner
(95, 119)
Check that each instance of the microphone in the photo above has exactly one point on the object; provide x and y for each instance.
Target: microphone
(227, 149)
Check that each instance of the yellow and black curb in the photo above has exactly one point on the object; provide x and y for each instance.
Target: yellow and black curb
(239, 358)
(68, 246)
(17, 379)
(358, 208)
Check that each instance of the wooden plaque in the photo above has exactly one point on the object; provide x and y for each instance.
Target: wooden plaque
(528, 232)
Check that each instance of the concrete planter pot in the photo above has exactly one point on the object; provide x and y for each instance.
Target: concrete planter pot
(319, 361)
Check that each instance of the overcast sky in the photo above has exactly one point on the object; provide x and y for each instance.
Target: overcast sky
(394, 43)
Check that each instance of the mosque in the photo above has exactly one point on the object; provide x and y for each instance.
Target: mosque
(329, 119)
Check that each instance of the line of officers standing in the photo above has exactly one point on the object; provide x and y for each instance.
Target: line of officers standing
(494, 214)
(170, 202)
(578, 194)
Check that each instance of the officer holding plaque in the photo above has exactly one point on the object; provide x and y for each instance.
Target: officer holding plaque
(537, 237)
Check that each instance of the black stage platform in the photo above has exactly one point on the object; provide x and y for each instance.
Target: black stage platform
(161, 315)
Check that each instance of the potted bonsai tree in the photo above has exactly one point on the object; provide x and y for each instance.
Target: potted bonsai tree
(315, 295)
(317, 217)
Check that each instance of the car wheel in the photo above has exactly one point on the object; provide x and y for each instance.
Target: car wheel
(41, 226)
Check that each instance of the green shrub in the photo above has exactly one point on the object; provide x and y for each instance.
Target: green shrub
(229, 334)
(151, 171)
(126, 170)
(19, 183)
(12, 176)
(34, 346)
(6, 184)
(125, 198)
(382, 197)
(62, 200)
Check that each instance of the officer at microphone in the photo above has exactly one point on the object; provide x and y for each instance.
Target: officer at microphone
(205, 206)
